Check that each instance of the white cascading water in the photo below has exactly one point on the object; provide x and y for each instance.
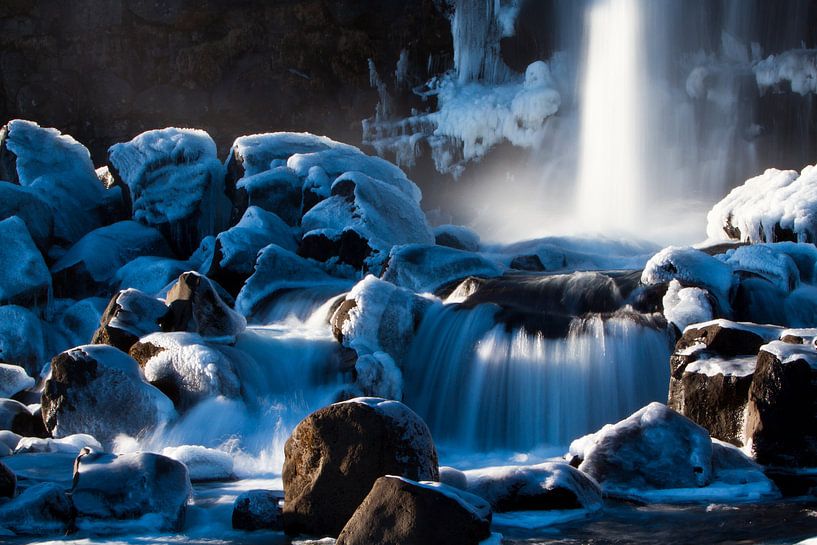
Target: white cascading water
(611, 183)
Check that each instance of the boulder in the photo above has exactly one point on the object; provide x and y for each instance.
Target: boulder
(88, 268)
(72, 444)
(691, 268)
(75, 322)
(685, 306)
(131, 314)
(531, 263)
(42, 509)
(196, 304)
(456, 236)
(21, 339)
(202, 463)
(174, 182)
(13, 379)
(8, 481)
(26, 204)
(17, 418)
(100, 391)
(546, 486)
(335, 455)
(781, 418)
(399, 510)
(130, 486)
(24, 277)
(258, 510)
(654, 448)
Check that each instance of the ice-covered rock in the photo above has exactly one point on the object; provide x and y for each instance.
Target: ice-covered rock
(684, 306)
(9, 440)
(276, 270)
(17, 418)
(175, 183)
(400, 510)
(767, 262)
(457, 236)
(100, 391)
(131, 486)
(74, 322)
(24, 277)
(42, 509)
(377, 375)
(798, 67)
(59, 170)
(13, 379)
(197, 304)
(8, 481)
(691, 268)
(185, 368)
(376, 212)
(27, 204)
(781, 418)
(203, 464)
(546, 486)
(131, 314)
(335, 455)
(21, 339)
(236, 249)
(452, 476)
(72, 444)
(258, 510)
(424, 268)
(655, 447)
(277, 190)
(89, 266)
(773, 207)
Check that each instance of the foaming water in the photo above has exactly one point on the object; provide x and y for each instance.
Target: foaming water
(482, 387)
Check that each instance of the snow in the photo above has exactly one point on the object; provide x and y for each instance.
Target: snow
(798, 67)
(427, 268)
(377, 375)
(471, 503)
(767, 262)
(788, 353)
(256, 229)
(151, 274)
(765, 332)
(731, 367)
(198, 370)
(13, 379)
(690, 267)
(23, 273)
(277, 190)
(775, 198)
(581, 252)
(685, 306)
(71, 444)
(457, 236)
(203, 464)
(138, 312)
(256, 152)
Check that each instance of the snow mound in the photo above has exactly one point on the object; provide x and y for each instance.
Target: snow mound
(773, 207)
(203, 464)
(24, 277)
(425, 268)
(690, 267)
(71, 444)
(766, 261)
(378, 376)
(255, 153)
(13, 379)
(686, 306)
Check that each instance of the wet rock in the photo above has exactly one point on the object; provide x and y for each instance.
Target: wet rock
(781, 418)
(399, 510)
(42, 509)
(335, 455)
(131, 314)
(130, 486)
(196, 304)
(258, 510)
(99, 390)
(8, 482)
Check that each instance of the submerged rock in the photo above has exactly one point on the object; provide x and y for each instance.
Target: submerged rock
(258, 510)
(130, 486)
(335, 455)
(42, 509)
(399, 510)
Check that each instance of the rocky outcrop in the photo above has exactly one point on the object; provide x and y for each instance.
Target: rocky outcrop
(399, 510)
(336, 454)
(258, 510)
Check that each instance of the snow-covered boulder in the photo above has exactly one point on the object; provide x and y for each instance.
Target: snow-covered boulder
(131, 314)
(546, 486)
(691, 268)
(175, 183)
(655, 447)
(73, 444)
(59, 170)
(13, 379)
(73, 322)
(276, 270)
(767, 262)
(423, 268)
(400, 510)
(377, 213)
(8, 481)
(277, 190)
(24, 277)
(9, 440)
(684, 306)
(100, 391)
(26, 204)
(773, 207)
(197, 304)
(19, 419)
(131, 486)
(457, 236)
(185, 368)
(203, 464)
(335, 455)
(89, 266)
(377, 375)
(258, 510)
(21, 339)
(781, 418)
(42, 509)
(236, 249)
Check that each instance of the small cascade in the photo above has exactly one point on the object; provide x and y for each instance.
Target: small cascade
(298, 304)
(483, 384)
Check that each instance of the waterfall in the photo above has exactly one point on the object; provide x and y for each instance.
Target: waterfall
(611, 175)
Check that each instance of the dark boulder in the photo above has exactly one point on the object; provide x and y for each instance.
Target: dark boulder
(335, 455)
(197, 305)
(405, 512)
(258, 510)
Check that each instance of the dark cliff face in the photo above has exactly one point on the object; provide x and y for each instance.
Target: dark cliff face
(105, 70)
